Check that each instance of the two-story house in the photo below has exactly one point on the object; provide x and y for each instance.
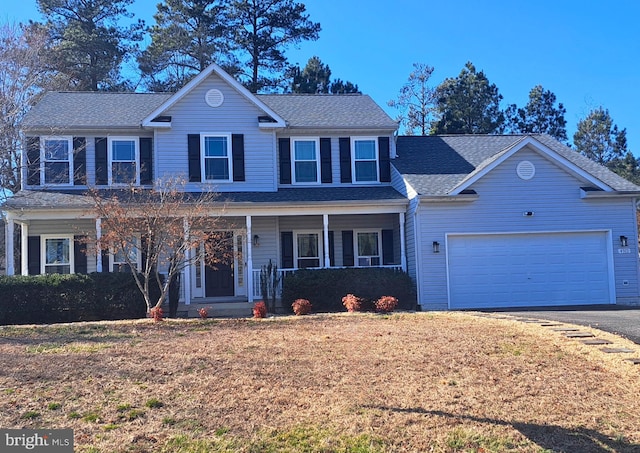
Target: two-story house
(317, 181)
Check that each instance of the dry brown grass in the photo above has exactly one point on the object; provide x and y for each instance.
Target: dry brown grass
(364, 383)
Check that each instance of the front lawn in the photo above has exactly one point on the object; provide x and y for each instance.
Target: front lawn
(442, 382)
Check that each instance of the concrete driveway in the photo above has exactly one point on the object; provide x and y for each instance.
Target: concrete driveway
(623, 321)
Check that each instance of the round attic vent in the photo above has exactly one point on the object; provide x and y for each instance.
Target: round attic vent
(214, 98)
(526, 170)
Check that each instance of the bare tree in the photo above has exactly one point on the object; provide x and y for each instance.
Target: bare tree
(22, 81)
(170, 227)
(416, 101)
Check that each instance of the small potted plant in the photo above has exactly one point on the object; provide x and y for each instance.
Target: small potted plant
(301, 307)
(386, 304)
(204, 314)
(352, 303)
(260, 309)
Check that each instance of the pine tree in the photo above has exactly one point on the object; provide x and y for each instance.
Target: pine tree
(468, 104)
(539, 116)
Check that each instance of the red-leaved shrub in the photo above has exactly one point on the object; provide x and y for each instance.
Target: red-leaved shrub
(386, 304)
(156, 313)
(260, 310)
(301, 306)
(204, 314)
(352, 303)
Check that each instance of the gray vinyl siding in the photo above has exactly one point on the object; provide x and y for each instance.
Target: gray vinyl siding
(554, 197)
(335, 154)
(79, 227)
(237, 115)
(269, 228)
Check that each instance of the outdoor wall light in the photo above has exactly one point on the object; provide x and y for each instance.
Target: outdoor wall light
(256, 240)
(436, 247)
(624, 241)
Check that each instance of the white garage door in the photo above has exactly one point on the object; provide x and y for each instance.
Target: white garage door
(519, 270)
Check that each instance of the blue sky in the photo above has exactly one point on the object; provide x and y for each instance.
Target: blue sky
(585, 51)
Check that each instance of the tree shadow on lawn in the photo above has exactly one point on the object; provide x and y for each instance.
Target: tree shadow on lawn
(549, 437)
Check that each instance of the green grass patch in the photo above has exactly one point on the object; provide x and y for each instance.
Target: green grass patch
(75, 415)
(311, 439)
(91, 417)
(154, 403)
(30, 415)
(54, 406)
(135, 414)
(123, 407)
(461, 439)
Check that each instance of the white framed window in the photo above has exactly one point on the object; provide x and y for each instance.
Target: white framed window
(364, 161)
(124, 160)
(217, 164)
(307, 249)
(56, 254)
(305, 160)
(368, 248)
(118, 262)
(56, 160)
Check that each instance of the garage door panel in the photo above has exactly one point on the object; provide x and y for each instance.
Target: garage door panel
(535, 269)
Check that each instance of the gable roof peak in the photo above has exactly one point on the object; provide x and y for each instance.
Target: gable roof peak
(197, 80)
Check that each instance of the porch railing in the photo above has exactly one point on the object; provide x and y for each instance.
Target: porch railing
(257, 294)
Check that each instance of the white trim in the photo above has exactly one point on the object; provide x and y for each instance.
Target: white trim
(8, 246)
(203, 157)
(214, 68)
(43, 252)
(138, 248)
(320, 256)
(24, 248)
(43, 160)
(316, 141)
(356, 251)
(355, 139)
(110, 161)
(537, 146)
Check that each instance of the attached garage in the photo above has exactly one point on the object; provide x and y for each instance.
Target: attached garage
(530, 269)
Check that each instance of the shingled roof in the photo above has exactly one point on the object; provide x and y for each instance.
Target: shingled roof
(90, 110)
(79, 199)
(329, 111)
(96, 110)
(435, 165)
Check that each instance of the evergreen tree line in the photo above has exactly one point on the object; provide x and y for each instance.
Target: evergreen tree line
(96, 45)
(470, 104)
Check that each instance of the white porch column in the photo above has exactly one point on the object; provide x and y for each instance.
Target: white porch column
(24, 249)
(8, 246)
(98, 248)
(325, 226)
(249, 260)
(403, 252)
(186, 281)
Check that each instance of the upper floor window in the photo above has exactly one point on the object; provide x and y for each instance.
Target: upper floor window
(124, 161)
(368, 248)
(57, 254)
(305, 161)
(57, 160)
(216, 158)
(365, 159)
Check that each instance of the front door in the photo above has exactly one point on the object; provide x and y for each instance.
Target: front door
(218, 271)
